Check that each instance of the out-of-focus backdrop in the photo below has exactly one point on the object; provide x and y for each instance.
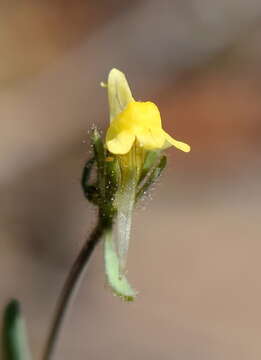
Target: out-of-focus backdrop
(195, 249)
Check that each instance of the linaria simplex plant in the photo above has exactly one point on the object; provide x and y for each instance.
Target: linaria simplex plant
(126, 164)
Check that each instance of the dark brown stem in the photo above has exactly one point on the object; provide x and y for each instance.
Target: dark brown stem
(70, 287)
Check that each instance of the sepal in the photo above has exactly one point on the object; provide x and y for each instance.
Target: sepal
(151, 177)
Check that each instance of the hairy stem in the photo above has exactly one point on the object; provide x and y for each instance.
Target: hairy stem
(71, 284)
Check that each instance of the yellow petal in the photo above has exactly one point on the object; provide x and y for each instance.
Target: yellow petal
(143, 115)
(119, 92)
(178, 144)
(151, 139)
(119, 143)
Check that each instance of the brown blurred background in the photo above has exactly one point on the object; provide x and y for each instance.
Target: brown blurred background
(195, 249)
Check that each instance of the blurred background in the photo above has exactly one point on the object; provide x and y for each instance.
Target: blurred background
(195, 249)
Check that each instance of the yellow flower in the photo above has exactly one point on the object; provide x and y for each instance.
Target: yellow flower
(134, 122)
(134, 138)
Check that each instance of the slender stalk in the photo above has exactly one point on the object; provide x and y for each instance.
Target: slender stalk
(70, 287)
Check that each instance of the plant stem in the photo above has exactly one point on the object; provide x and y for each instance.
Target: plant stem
(71, 284)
